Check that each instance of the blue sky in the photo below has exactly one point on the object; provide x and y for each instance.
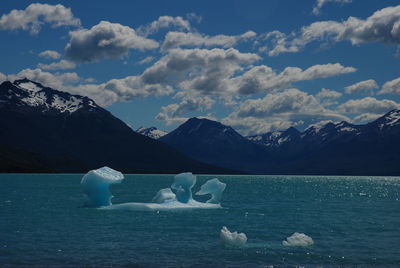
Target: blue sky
(257, 66)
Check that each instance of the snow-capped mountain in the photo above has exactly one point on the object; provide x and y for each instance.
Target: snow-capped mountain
(27, 93)
(151, 132)
(46, 130)
(334, 148)
(276, 138)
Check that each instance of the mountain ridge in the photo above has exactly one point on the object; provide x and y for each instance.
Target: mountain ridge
(55, 131)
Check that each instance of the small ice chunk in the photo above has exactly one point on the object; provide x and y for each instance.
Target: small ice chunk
(298, 240)
(183, 185)
(95, 184)
(163, 195)
(213, 187)
(235, 239)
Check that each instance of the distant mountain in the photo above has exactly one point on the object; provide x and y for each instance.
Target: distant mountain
(337, 148)
(276, 138)
(214, 143)
(151, 132)
(331, 149)
(46, 130)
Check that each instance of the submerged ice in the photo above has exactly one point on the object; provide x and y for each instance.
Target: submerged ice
(232, 239)
(298, 240)
(95, 184)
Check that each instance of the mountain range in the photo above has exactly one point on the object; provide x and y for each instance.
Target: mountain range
(332, 149)
(46, 130)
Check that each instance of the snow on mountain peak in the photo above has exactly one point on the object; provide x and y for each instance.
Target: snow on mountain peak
(151, 132)
(392, 118)
(30, 93)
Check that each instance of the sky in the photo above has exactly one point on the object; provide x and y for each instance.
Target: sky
(257, 65)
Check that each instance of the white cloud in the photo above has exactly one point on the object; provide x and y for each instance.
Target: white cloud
(105, 40)
(291, 100)
(328, 94)
(202, 70)
(104, 94)
(178, 39)
(320, 3)
(365, 118)
(3, 77)
(391, 87)
(35, 15)
(189, 102)
(263, 79)
(382, 26)
(368, 105)
(363, 86)
(146, 60)
(166, 22)
(133, 87)
(57, 81)
(61, 65)
(280, 110)
(50, 54)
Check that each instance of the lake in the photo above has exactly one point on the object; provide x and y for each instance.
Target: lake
(353, 221)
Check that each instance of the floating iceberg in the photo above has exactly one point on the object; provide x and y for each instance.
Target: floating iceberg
(213, 187)
(234, 240)
(298, 240)
(95, 184)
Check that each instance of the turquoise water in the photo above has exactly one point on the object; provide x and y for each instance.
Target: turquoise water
(354, 222)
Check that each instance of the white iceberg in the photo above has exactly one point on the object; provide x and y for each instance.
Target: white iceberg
(298, 240)
(213, 187)
(164, 195)
(95, 184)
(232, 239)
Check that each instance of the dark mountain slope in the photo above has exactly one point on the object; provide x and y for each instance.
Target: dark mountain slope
(214, 143)
(55, 131)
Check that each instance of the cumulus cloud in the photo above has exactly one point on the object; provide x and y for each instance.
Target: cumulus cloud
(35, 15)
(61, 65)
(263, 79)
(291, 100)
(320, 3)
(133, 87)
(363, 86)
(382, 26)
(50, 54)
(178, 39)
(202, 70)
(368, 105)
(365, 118)
(391, 87)
(3, 77)
(166, 22)
(105, 40)
(189, 102)
(104, 94)
(280, 110)
(57, 81)
(328, 94)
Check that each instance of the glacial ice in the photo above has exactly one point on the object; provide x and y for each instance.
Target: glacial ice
(183, 185)
(298, 240)
(163, 195)
(232, 239)
(213, 187)
(95, 184)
